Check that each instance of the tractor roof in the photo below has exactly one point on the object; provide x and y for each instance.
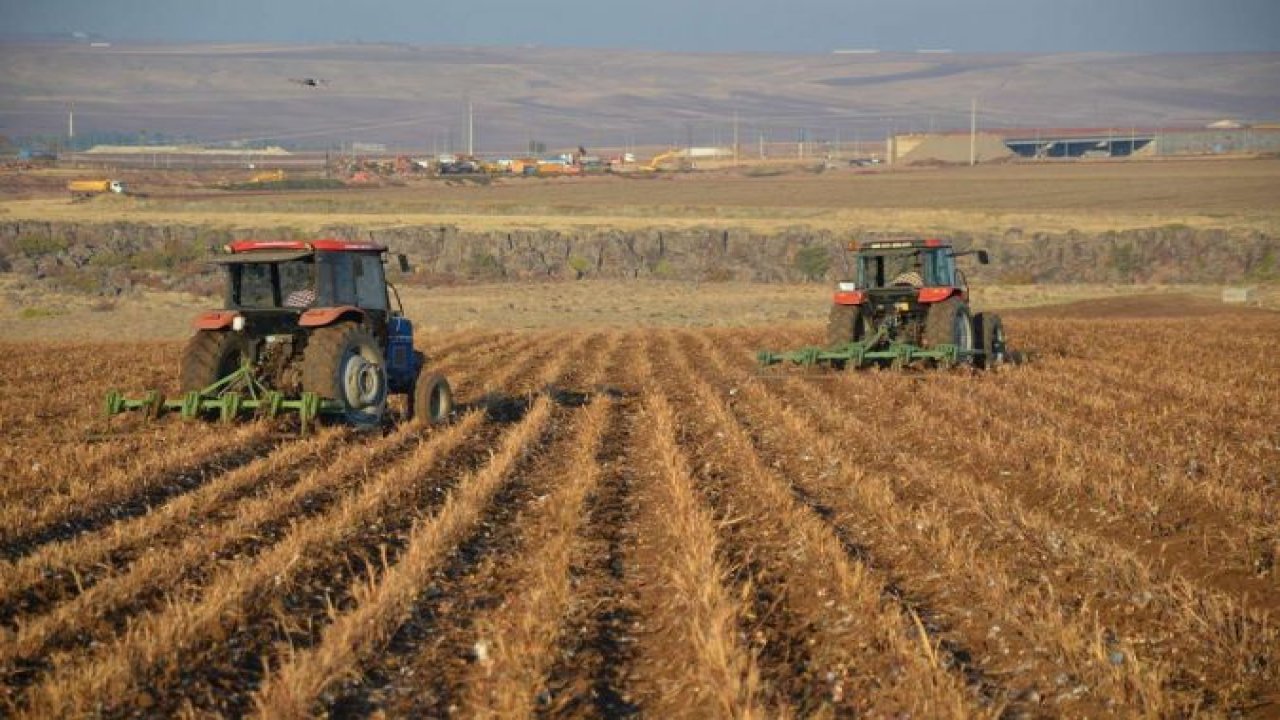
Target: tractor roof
(899, 245)
(305, 246)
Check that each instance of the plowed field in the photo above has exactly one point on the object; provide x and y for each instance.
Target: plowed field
(631, 523)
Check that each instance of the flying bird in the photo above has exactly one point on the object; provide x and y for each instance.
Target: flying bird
(309, 82)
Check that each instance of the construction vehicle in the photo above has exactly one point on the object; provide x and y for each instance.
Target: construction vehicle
(655, 164)
(267, 176)
(908, 304)
(89, 188)
(307, 327)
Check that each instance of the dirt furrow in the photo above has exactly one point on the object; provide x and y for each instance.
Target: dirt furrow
(454, 542)
(131, 491)
(99, 613)
(1098, 481)
(263, 529)
(832, 632)
(591, 653)
(691, 658)
(1029, 556)
(60, 569)
(535, 584)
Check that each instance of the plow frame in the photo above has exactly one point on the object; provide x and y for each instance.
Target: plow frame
(857, 355)
(227, 401)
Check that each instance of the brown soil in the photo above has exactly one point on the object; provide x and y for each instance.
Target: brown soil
(1091, 533)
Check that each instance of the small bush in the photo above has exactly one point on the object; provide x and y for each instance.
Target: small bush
(580, 266)
(35, 313)
(813, 262)
(484, 266)
(37, 245)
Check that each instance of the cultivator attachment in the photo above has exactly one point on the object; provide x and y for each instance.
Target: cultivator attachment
(856, 355)
(235, 395)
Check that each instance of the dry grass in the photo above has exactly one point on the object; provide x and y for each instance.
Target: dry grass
(566, 304)
(1094, 533)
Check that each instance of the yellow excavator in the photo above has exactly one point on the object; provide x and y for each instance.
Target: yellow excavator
(656, 163)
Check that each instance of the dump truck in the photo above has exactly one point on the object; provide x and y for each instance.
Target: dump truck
(907, 304)
(306, 327)
(89, 188)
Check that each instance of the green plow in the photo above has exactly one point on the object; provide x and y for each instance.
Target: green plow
(865, 353)
(235, 395)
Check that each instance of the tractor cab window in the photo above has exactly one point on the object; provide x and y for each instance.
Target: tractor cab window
(940, 268)
(928, 268)
(297, 284)
(336, 268)
(371, 288)
(890, 270)
(251, 285)
(272, 285)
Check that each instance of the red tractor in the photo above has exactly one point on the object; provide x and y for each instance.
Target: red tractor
(908, 302)
(307, 326)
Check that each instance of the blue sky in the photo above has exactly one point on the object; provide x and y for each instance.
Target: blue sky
(798, 26)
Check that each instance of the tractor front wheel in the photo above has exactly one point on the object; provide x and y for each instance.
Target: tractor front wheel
(209, 356)
(344, 363)
(431, 399)
(949, 323)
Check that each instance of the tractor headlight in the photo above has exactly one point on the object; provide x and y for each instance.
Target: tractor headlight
(237, 323)
(902, 307)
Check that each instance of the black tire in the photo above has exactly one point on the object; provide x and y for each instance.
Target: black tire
(209, 356)
(343, 362)
(431, 399)
(988, 333)
(846, 324)
(949, 323)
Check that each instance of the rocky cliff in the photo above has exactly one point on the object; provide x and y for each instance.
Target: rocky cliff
(110, 258)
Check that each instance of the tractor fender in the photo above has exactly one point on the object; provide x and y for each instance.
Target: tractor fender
(850, 297)
(937, 294)
(215, 319)
(321, 317)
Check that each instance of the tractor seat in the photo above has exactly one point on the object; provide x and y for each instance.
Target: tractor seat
(908, 279)
(300, 298)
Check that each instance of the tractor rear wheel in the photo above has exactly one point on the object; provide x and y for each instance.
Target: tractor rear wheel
(949, 323)
(209, 356)
(431, 399)
(988, 331)
(343, 362)
(846, 324)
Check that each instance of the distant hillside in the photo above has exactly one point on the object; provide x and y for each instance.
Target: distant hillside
(416, 97)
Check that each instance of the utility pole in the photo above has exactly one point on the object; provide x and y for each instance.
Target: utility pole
(471, 130)
(735, 138)
(973, 131)
(761, 144)
(71, 124)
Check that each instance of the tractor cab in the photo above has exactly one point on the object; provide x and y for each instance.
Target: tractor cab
(304, 284)
(922, 271)
(305, 326)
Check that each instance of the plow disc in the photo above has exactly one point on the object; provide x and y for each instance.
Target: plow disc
(235, 395)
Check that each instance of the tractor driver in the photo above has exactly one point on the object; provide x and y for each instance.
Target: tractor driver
(909, 271)
(296, 283)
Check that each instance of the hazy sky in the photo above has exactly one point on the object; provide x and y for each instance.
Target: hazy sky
(681, 25)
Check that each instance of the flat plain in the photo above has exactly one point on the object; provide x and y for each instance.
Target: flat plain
(1093, 196)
